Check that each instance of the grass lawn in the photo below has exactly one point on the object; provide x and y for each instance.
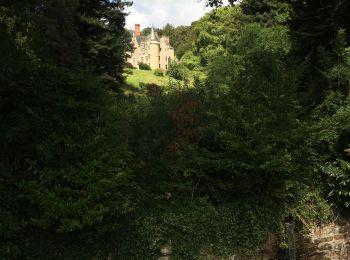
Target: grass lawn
(145, 76)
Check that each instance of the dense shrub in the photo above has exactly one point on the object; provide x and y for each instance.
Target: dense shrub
(63, 167)
(129, 65)
(177, 71)
(331, 143)
(128, 71)
(151, 89)
(190, 61)
(158, 72)
(144, 66)
(200, 227)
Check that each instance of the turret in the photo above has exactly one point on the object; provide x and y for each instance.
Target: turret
(154, 46)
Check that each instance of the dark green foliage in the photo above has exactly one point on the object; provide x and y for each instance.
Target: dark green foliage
(331, 142)
(144, 66)
(151, 89)
(129, 66)
(158, 72)
(73, 34)
(188, 207)
(190, 61)
(63, 169)
(268, 12)
(181, 37)
(249, 147)
(54, 37)
(104, 39)
(315, 23)
(177, 71)
(217, 3)
(199, 228)
(314, 26)
(210, 169)
(146, 31)
(64, 172)
(128, 71)
(339, 74)
(216, 31)
(168, 30)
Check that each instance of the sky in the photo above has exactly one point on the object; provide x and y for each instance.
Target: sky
(160, 12)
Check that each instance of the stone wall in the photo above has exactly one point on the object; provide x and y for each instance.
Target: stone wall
(331, 242)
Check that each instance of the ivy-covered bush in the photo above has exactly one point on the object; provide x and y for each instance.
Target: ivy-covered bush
(200, 228)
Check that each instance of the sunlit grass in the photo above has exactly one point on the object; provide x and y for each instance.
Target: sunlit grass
(146, 77)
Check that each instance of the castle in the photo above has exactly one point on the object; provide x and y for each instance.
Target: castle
(152, 50)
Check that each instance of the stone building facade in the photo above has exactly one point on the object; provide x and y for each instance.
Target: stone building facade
(152, 50)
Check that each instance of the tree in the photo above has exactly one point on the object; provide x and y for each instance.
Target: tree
(183, 39)
(218, 3)
(216, 31)
(104, 38)
(146, 31)
(315, 23)
(168, 30)
(339, 74)
(225, 147)
(330, 140)
(246, 148)
(75, 34)
(64, 174)
(268, 12)
(314, 26)
(190, 61)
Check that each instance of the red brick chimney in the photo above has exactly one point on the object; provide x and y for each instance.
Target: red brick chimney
(137, 30)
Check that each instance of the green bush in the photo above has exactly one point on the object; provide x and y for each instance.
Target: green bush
(63, 169)
(177, 71)
(158, 72)
(190, 61)
(129, 65)
(144, 66)
(128, 71)
(331, 143)
(222, 231)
